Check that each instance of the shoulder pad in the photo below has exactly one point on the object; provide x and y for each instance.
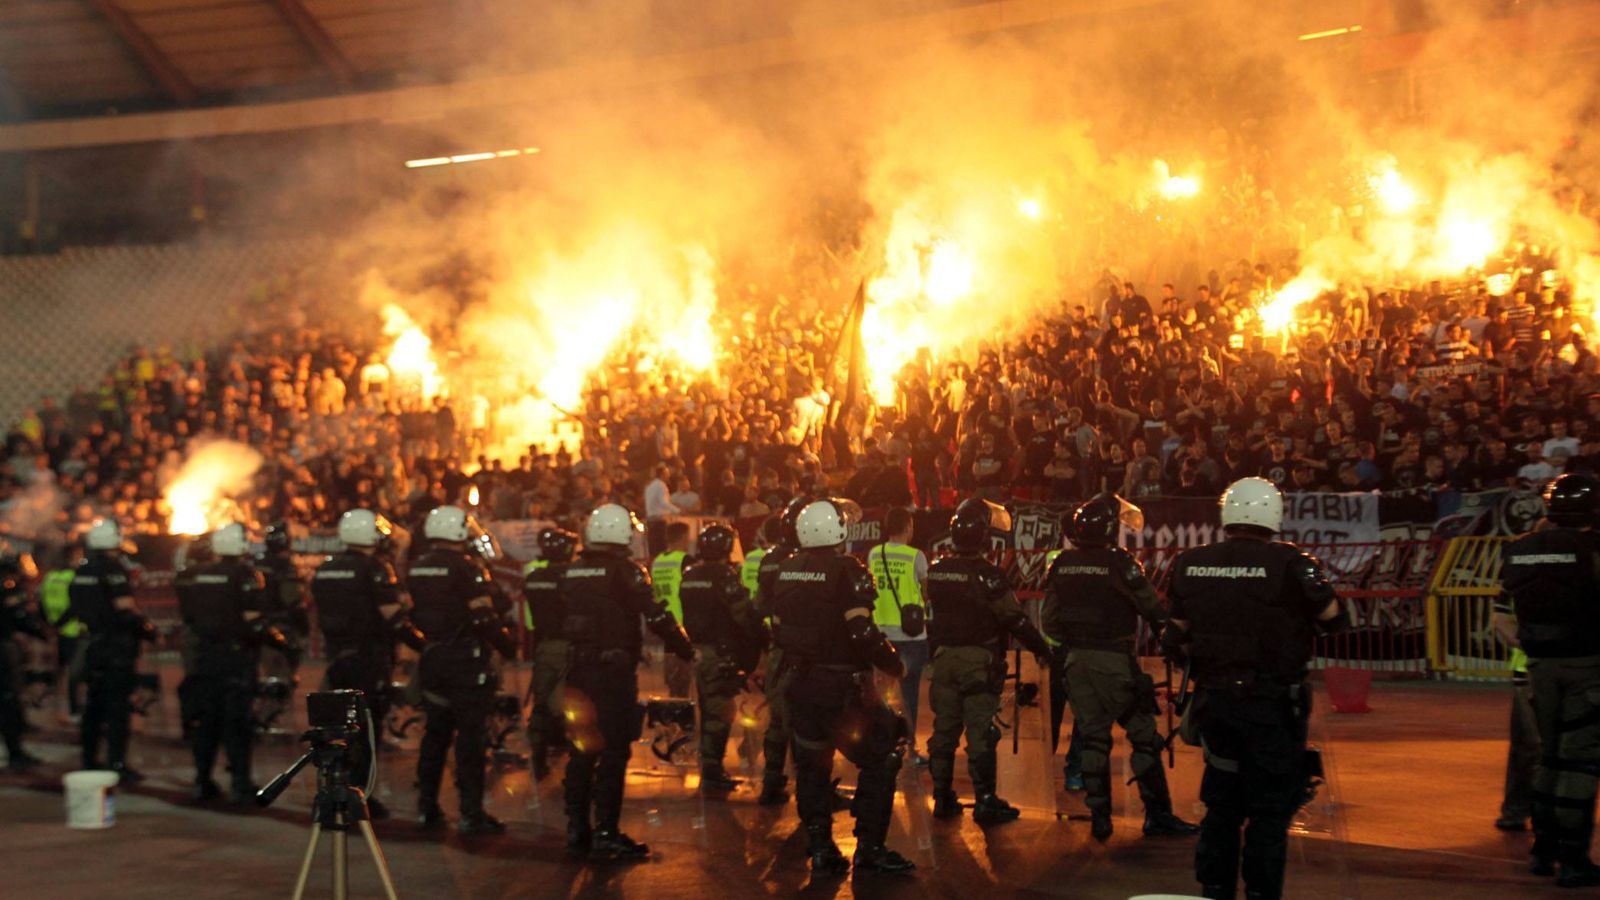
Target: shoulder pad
(862, 584)
(1309, 572)
(633, 575)
(993, 580)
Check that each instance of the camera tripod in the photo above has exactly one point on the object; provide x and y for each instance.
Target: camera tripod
(337, 806)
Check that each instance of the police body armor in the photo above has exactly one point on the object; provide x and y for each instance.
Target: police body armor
(1243, 625)
(810, 593)
(1553, 579)
(348, 589)
(213, 603)
(541, 587)
(1090, 613)
(960, 589)
(113, 636)
(442, 582)
(596, 621)
(283, 602)
(709, 589)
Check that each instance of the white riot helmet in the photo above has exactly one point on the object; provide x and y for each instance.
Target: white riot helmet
(104, 534)
(363, 528)
(826, 523)
(1255, 502)
(611, 524)
(230, 540)
(447, 523)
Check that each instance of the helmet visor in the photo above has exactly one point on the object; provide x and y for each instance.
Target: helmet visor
(1131, 517)
(482, 542)
(849, 510)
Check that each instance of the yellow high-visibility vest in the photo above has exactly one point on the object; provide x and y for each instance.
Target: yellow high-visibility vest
(53, 595)
(750, 570)
(894, 568)
(666, 574)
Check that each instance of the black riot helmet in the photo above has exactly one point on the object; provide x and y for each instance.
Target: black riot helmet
(716, 543)
(1097, 522)
(277, 537)
(1573, 501)
(973, 522)
(771, 532)
(556, 545)
(789, 518)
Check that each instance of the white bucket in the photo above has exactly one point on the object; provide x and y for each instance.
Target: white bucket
(91, 798)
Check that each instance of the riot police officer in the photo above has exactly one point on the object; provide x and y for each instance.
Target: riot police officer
(17, 616)
(1550, 581)
(456, 612)
(606, 594)
(973, 617)
(775, 743)
(284, 600)
(222, 609)
(728, 637)
(1245, 610)
(101, 597)
(1095, 595)
(544, 615)
(362, 611)
(822, 611)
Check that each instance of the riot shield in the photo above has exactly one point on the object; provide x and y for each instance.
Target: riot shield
(663, 776)
(1026, 769)
(1319, 857)
(911, 829)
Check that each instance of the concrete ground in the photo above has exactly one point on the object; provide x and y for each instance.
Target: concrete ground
(1414, 786)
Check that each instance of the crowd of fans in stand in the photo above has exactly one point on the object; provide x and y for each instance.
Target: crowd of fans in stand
(1437, 386)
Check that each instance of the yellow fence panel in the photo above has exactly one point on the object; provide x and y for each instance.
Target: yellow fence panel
(1462, 642)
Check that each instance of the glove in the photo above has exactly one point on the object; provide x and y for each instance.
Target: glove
(1174, 644)
(493, 631)
(407, 633)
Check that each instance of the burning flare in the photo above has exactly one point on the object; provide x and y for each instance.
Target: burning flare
(1277, 314)
(1174, 187)
(200, 495)
(411, 359)
(1392, 192)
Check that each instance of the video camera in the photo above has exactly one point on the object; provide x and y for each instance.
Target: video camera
(338, 720)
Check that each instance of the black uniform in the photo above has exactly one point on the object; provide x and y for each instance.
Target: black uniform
(723, 626)
(283, 603)
(1551, 584)
(457, 670)
(1251, 606)
(972, 617)
(1094, 600)
(606, 595)
(833, 702)
(221, 686)
(541, 590)
(348, 590)
(111, 658)
(16, 617)
(775, 743)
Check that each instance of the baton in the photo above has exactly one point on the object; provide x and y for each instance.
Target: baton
(1016, 706)
(1172, 762)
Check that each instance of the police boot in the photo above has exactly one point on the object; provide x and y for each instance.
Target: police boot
(242, 792)
(1165, 824)
(1100, 825)
(205, 790)
(579, 837)
(1217, 891)
(480, 824)
(1576, 870)
(430, 815)
(991, 810)
(774, 790)
(614, 846)
(716, 780)
(878, 858)
(127, 776)
(946, 805)
(825, 857)
(22, 761)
